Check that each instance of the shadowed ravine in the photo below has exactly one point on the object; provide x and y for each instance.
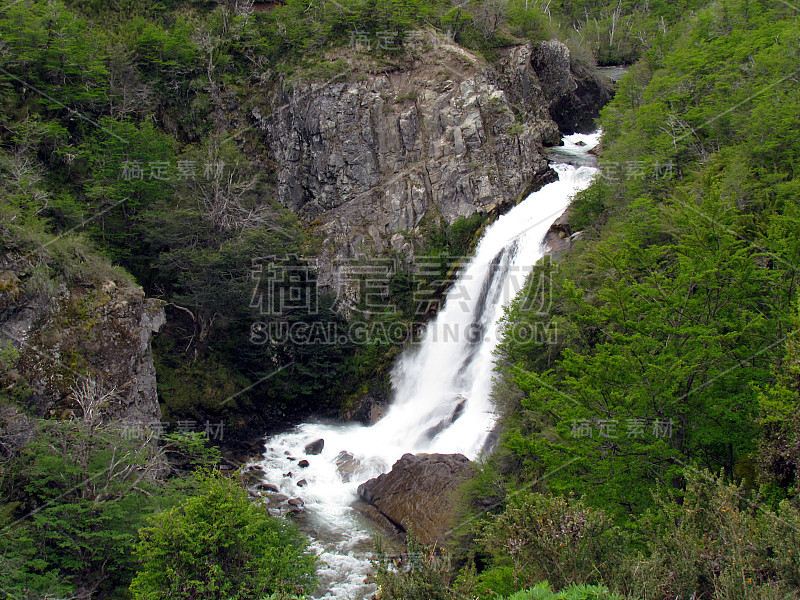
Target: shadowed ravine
(441, 386)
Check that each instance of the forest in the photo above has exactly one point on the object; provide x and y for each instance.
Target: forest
(651, 452)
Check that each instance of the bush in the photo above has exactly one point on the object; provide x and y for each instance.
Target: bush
(552, 538)
(427, 574)
(78, 490)
(219, 545)
(718, 544)
(542, 591)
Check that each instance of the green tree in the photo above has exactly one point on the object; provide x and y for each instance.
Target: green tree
(77, 494)
(219, 545)
(667, 333)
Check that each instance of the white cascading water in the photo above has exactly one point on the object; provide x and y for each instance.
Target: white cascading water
(441, 386)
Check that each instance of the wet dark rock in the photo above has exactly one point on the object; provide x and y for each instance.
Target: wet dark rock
(303, 464)
(432, 432)
(267, 487)
(276, 500)
(370, 407)
(315, 447)
(347, 465)
(302, 483)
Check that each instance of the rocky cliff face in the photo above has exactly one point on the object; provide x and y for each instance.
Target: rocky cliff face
(417, 493)
(88, 335)
(546, 78)
(365, 161)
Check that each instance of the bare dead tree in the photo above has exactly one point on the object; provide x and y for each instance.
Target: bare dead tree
(223, 201)
(490, 17)
(92, 400)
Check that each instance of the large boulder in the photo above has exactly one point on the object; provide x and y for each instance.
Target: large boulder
(418, 493)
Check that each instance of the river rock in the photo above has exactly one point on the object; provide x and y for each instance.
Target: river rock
(250, 478)
(347, 465)
(315, 447)
(267, 487)
(302, 483)
(276, 500)
(418, 492)
(559, 238)
(296, 507)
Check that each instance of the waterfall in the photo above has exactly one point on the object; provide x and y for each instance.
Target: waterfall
(441, 386)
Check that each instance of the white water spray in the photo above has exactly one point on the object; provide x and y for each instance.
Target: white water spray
(441, 387)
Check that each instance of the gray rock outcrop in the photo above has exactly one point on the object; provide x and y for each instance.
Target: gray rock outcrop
(544, 80)
(91, 339)
(365, 160)
(418, 493)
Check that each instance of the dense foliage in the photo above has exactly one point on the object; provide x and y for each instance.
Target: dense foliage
(73, 499)
(676, 313)
(218, 544)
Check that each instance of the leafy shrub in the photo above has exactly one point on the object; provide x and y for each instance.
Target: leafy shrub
(718, 544)
(219, 545)
(428, 574)
(553, 538)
